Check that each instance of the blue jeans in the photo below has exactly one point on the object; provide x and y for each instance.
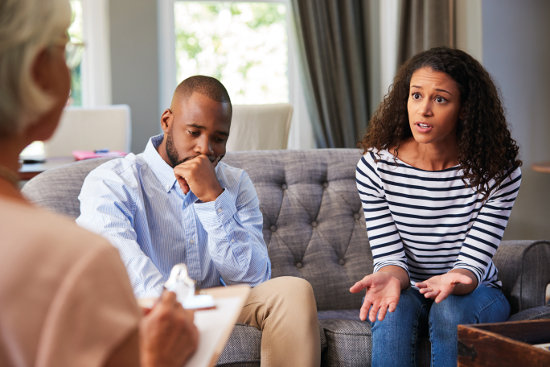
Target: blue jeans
(394, 339)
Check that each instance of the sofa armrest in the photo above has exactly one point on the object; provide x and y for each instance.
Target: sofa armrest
(534, 313)
(57, 189)
(524, 272)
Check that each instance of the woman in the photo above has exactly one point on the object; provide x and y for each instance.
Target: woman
(438, 179)
(65, 297)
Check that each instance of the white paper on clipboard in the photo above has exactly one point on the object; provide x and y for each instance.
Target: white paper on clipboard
(215, 325)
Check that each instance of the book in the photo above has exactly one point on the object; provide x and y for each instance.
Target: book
(100, 153)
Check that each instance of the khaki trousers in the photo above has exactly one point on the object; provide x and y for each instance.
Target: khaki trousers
(284, 309)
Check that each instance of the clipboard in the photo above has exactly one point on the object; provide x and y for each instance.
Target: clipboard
(215, 325)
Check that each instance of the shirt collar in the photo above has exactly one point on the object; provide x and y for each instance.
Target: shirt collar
(160, 168)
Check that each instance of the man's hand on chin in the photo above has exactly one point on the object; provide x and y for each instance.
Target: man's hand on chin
(198, 175)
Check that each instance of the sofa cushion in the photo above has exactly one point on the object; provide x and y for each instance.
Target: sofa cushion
(242, 348)
(348, 338)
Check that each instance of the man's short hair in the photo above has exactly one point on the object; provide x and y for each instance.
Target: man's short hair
(206, 85)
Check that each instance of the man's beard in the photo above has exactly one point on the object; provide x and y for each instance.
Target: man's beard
(172, 153)
(173, 156)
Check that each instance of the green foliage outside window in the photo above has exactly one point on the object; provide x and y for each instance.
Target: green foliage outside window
(244, 44)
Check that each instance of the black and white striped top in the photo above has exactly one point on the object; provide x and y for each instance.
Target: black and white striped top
(429, 222)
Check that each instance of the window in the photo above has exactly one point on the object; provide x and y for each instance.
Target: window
(73, 54)
(273, 28)
(243, 44)
(301, 135)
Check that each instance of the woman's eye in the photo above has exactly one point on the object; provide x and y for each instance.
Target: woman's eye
(415, 95)
(439, 99)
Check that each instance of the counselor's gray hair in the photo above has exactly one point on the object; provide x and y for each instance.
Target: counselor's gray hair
(26, 28)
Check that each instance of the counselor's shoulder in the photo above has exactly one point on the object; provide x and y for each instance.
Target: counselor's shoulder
(82, 270)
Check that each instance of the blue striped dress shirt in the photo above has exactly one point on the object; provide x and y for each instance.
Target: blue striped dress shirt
(137, 204)
(429, 222)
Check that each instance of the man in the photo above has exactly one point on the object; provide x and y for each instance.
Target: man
(177, 202)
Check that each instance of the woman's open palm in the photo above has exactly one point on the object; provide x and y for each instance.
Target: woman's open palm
(382, 295)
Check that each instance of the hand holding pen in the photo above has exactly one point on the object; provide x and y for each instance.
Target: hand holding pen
(168, 335)
(180, 283)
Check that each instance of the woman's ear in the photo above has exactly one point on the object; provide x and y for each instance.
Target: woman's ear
(41, 70)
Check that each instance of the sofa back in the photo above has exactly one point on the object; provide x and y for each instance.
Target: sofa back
(313, 221)
(314, 226)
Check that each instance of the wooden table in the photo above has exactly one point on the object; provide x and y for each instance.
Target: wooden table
(504, 344)
(29, 170)
(541, 167)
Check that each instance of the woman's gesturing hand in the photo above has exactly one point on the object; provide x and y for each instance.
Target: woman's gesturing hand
(440, 286)
(381, 295)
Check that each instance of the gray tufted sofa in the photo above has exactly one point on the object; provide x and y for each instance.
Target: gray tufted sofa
(314, 229)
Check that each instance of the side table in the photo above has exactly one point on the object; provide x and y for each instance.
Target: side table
(504, 344)
(29, 170)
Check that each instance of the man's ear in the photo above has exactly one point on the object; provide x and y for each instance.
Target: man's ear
(166, 119)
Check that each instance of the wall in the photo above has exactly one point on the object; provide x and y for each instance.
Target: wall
(134, 65)
(516, 52)
(468, 27)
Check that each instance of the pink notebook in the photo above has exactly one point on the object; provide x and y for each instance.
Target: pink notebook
(87, 154)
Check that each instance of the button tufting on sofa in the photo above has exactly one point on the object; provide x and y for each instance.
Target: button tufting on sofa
(299, 265)
(273, 228)
(341, 261)
(314, 224)
(284, 186)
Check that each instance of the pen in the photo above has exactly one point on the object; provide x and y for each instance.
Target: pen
(33, 160)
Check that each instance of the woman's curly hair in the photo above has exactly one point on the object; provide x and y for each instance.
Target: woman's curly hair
(485, 148)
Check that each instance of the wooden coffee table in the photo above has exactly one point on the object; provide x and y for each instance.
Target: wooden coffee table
(504, 344)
